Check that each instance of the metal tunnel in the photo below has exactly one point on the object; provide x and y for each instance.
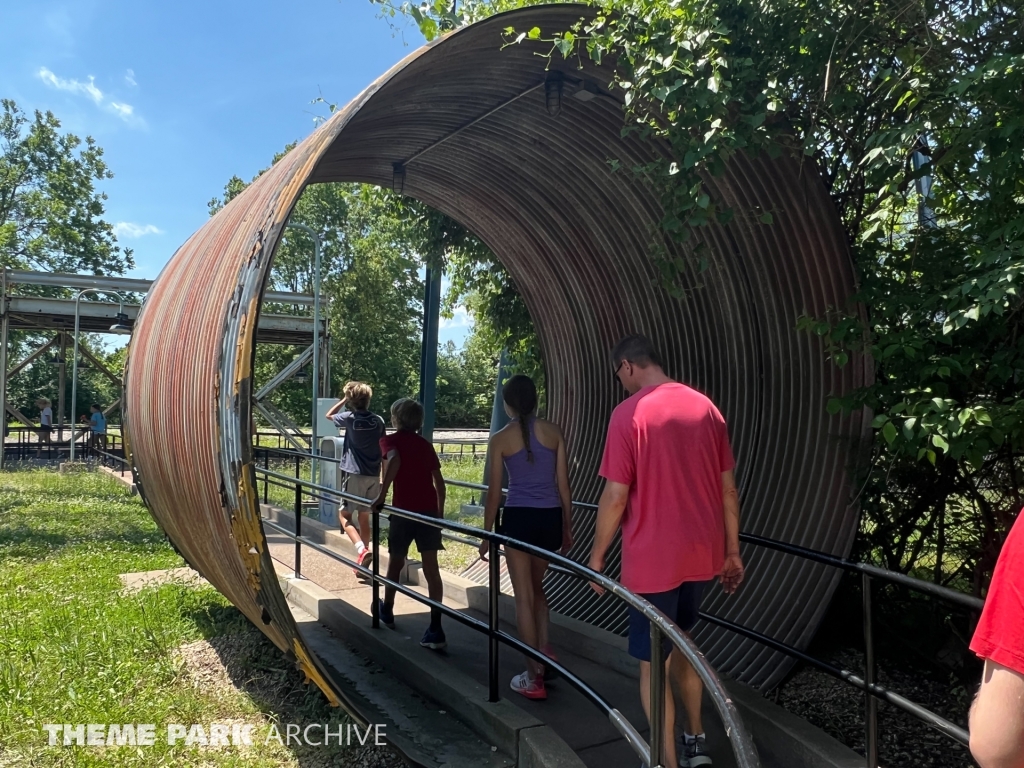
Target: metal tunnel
(470, 124)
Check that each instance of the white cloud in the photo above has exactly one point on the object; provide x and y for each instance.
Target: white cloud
(129, 77)
(460, 319)
(124, 111)
(128, 230)
(73, 86)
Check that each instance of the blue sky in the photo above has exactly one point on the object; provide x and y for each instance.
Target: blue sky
(181, 96)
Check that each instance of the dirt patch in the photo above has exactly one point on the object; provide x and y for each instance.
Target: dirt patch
(246, 663)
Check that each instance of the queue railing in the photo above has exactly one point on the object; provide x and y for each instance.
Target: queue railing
(650, 752)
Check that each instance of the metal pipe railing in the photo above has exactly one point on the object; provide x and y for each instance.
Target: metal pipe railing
(743, 747)
(868, 572)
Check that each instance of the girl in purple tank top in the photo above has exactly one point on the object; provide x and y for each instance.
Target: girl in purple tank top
(537, 510)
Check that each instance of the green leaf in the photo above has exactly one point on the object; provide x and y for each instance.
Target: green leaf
(766, 218)
(534, 33)
(889, 432)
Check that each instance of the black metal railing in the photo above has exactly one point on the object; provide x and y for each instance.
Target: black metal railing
(661, 626)
(866, 683)
(24, 443)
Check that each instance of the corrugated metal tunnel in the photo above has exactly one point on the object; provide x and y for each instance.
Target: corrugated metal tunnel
(576, 236)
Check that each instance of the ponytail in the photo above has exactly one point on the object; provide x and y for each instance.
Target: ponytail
(520, 393)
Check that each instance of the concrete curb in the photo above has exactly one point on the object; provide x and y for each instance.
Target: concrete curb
(781, 737)
(503, 724)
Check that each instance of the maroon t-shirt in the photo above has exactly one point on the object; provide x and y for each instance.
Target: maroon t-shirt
(414, 483)
(1000, 632)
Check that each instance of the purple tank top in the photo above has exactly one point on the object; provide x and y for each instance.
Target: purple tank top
(532, 484)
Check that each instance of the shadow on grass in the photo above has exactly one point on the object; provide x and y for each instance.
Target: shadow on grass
(235, 652)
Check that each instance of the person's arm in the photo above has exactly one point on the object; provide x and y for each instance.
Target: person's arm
(610, 509)
(564, 493)
(732, 570)
(394, 461)
(997, 718)
(440, 489)
(494, 494)
(336, 407)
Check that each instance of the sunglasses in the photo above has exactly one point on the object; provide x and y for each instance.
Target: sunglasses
(615, 373)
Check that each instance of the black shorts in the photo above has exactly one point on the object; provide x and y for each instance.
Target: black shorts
(402, 532)
(540, 526)
(681, 604)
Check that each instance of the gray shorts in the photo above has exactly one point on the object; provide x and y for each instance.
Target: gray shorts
(367, 486)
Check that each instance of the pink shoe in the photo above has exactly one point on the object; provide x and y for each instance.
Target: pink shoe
(531, 689)
(365, 559)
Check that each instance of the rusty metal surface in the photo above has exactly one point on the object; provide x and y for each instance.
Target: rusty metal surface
(577, 238)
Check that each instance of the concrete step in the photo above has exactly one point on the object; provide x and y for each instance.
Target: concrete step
(597, 656)
(427, 734)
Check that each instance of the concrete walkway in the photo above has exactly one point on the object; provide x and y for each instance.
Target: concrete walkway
(577, 721)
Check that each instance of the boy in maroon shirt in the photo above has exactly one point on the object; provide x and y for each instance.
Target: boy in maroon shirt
(412, 465)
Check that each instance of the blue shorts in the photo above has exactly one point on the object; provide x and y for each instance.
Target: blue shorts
(680, 604)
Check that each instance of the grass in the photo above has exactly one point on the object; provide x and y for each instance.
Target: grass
(455, 557)
(75, 649)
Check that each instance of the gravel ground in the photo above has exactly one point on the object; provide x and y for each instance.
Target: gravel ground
(246, 662)
(904, 741)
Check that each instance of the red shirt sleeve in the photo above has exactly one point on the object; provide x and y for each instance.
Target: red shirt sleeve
(386, 444)
(725, 457)
(1000, 633)
(435, 463)
(619, 461)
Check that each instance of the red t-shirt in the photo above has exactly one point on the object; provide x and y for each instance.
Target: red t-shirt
(670, 445)
(414, 483)
(1000, 633)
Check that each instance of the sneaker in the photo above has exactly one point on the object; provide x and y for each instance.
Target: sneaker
(364, 559)
(387, 615)
(531, 689)
(434, 639)
(550, 673)
(694, 754)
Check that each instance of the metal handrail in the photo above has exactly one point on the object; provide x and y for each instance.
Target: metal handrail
(743, 747)
(868, 572)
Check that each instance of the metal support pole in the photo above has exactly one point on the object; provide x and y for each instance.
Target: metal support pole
(314, 447)
(298, 519)
(375, 606)
(657, 700)
(870, 702)
(4, 329)
(62, 379)
(266, 478)
(74, 361)
(493, 594)
(428, 352)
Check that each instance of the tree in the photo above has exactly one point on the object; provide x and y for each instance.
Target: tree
(370, 287)
(50, 211)
(913, 116)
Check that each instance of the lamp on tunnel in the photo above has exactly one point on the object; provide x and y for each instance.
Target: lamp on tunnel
(398, 178)
(121, 326)
(553, 93)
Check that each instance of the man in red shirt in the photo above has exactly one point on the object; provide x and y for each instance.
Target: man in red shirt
(413, 467)
(670, 485)
(997, 717)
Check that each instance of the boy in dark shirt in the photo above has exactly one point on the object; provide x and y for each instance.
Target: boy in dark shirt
(412, 465)
(360, 460)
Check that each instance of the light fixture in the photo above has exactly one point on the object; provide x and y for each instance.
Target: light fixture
(586, 92)
(398, 178)
(301, 376)
(553, 93)
(121, 326)
(56, 360)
